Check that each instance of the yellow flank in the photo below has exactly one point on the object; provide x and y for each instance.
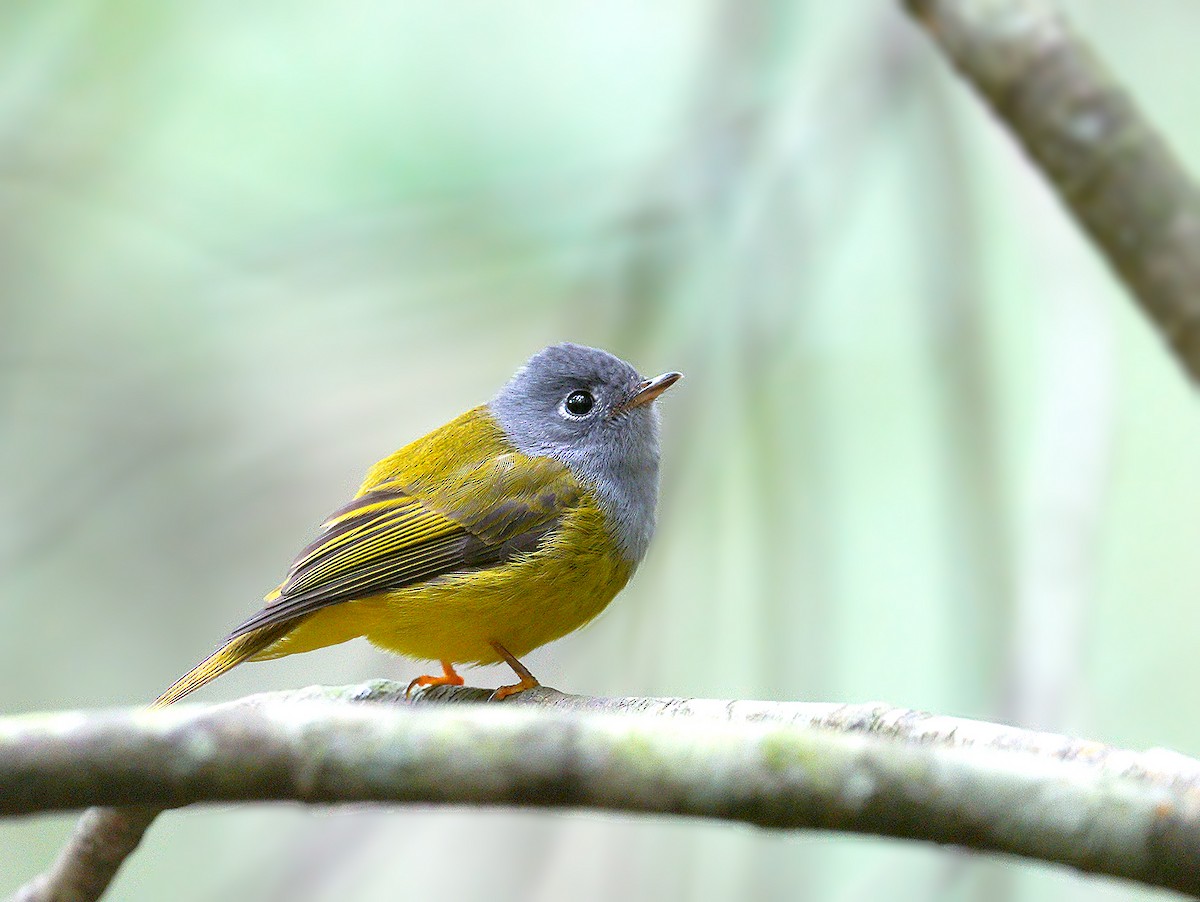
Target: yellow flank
(526, 602)
(533, 599)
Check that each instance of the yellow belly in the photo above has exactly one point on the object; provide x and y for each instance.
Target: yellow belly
(522, 604)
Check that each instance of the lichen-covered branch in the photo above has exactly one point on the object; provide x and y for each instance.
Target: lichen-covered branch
(1109, 166)
(860, 768)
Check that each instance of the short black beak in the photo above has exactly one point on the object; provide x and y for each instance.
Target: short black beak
(649, 389)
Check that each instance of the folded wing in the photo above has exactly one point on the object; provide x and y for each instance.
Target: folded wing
(399, 533)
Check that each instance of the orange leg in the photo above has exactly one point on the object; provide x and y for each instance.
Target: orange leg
(448, 678)
(528, 680)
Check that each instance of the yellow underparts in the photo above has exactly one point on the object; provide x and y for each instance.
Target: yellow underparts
(522, 604)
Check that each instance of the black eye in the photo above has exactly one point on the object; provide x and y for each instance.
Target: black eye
(579, 403)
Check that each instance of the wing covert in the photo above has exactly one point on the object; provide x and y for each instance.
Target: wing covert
(397, 534)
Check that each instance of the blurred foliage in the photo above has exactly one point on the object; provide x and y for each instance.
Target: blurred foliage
(926, 451)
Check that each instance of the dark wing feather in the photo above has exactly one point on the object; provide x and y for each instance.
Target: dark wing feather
(393, 536)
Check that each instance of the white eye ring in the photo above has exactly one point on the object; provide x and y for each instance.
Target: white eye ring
(577, 405)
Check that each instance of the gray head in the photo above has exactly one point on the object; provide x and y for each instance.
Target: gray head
(593, 412)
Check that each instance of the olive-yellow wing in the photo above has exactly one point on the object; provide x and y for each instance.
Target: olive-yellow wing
(398, 533)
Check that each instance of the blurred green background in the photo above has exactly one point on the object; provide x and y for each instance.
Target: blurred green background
(927, 451)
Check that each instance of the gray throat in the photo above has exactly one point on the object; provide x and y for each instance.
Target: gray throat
(628, 493)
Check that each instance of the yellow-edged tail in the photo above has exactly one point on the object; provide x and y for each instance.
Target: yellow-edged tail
(228, 656)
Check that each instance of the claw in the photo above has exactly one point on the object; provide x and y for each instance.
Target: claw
(528, 680)
(448, 678)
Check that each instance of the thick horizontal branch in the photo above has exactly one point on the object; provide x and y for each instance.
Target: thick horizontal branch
(1107, 163)
(859, 768)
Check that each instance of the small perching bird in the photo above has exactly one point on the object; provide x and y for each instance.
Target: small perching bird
(507, 528)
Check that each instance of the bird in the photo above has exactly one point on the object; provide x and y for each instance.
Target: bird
(505, 529)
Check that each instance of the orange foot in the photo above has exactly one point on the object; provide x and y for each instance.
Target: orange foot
(448, 678)
(528, 680)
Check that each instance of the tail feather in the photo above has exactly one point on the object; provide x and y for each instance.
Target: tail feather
(228, 656)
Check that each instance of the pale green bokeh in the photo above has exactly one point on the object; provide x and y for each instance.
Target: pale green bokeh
(927, 451)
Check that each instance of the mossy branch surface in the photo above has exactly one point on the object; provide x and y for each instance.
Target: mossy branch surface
(1099, 152)
(859, 768)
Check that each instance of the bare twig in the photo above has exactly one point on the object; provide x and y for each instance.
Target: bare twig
(858, 768)
(1106, 162)
(87, 864)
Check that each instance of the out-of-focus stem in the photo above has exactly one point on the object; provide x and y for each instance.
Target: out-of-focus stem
(1109, 166)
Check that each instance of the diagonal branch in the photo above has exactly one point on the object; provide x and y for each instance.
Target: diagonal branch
(1108, 165)
(856, 768)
